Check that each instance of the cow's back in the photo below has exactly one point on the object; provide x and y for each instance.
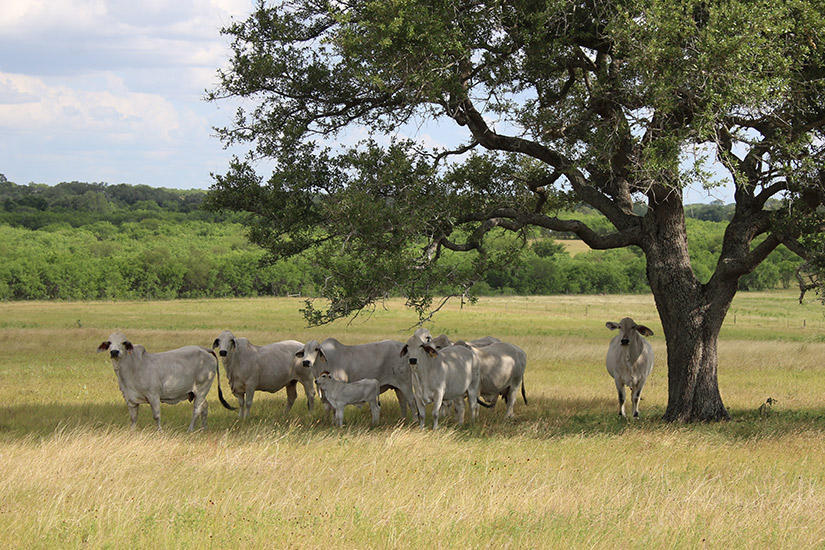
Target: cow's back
(376, 360)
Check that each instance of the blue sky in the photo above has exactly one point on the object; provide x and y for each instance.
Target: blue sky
(112, 91)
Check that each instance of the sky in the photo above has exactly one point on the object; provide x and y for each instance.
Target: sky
(113, 91)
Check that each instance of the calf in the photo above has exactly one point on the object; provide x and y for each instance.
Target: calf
(339, 394)
(268, 368)
(166, 377)
(442, 375)
(629, 360)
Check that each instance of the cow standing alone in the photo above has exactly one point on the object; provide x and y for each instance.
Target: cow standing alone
(166, 377)
(629, 360)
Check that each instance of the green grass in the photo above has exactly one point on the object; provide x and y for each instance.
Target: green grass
(565, 472)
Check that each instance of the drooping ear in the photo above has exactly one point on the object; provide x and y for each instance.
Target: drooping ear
(128, 346)
(403, 351)
(233, 343)
(216, 343)
(611, 325)
(322, 356)
(431, 351)
(644, 331)
(300, 353)
(103, 346)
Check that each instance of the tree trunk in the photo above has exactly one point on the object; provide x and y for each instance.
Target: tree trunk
(691, 316)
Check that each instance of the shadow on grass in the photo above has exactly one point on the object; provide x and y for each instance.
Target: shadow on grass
(543, 418)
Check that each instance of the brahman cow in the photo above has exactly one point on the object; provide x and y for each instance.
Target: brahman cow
(629, 360)
(442, 375)
(268, 368)
(165, 377)
(378, 360)
(501, 366)
(339, 394)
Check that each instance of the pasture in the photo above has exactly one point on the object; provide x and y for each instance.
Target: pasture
(566, 472)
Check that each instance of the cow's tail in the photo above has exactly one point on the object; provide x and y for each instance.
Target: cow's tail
(523, 395)
(483, 403)
(220, 393)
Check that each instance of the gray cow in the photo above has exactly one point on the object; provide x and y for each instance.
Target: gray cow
(268, 368)
(440, 375)
(501, 366)
(340, 394)
(629, 360)
(166, 377)
(379, 360)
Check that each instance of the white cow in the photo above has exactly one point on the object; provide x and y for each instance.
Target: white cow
(379, 360)
(629, 360)
(268, 368)
(166, 377)
(501, 366)
(442, 375)
(339, 394)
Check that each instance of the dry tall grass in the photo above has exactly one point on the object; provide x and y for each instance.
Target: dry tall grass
(566, 472)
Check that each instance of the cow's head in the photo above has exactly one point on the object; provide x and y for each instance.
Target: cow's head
(311, 354)
(417, 349)
(628, 329)
(225, 342)
(117, 345)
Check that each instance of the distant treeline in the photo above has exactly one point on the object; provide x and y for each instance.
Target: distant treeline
(84, 241)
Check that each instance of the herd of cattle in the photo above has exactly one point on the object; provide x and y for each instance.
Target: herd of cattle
(426, 370)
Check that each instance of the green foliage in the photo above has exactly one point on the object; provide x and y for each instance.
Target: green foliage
(162, 251)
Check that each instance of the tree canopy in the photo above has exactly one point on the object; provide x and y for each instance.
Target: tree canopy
(602, 102)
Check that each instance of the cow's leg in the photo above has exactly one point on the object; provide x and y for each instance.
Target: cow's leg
(510, 398)
(339, 416)
(204, 413)
(439, 398)
(458, 410)
(250, 393)
(636, 396)
(375, 407)
(241, 403)
(154, 403)
(133, 413)
(620, 389)
(422, 412)
(291, 395)
(198, 408)
(309, 391)
(402, 402)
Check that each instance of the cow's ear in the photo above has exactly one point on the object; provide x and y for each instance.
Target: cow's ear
(611, 325)
(403, 351)
(103, 346)
(643, 330)
(431, 351)
(300, 353)
(321, 355)
(128, 345)
(233, 343)
(216, 343)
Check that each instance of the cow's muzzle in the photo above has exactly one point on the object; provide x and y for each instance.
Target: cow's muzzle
(223, 353)
(307, 363)
(413, 361)
(625, 341)
(114, 354)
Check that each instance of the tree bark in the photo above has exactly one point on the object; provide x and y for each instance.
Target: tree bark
(691, 314)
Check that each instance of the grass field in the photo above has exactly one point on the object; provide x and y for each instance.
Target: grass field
(566, 472)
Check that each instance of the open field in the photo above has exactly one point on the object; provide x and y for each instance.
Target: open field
(567, 472)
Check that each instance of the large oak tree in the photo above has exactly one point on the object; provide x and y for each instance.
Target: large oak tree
(556, 102)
